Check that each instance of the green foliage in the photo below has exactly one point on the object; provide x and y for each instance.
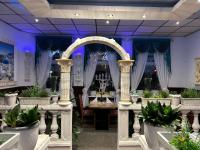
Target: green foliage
(34, 91)
(147, 94)
(182, 140)
(190, 93)
(2, 94)
(17, 117)
(159, 115)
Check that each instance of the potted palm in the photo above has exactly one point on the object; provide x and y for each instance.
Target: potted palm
(190, 97)
(33, 96)
(161, 96)
(155, 117)
(25, 122)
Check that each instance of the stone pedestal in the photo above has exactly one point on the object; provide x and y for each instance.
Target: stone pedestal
(65, 65)
(125, 67)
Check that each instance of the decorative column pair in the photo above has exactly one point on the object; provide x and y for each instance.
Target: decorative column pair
(125, 67)
(65, 65)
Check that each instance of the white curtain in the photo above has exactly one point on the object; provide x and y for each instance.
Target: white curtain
(114, 72)
(43, 67)
(162, 70)
(88, 76)
(138, 70)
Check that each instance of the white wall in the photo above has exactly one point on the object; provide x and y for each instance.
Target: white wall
(23, 42)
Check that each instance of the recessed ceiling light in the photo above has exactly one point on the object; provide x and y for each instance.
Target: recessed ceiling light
(36, 20)
(144, 16)
(76, 14)
(177, 22)
(110, 15)
(107, 22)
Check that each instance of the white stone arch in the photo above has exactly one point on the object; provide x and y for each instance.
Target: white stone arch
(66, 63)
(96, 39)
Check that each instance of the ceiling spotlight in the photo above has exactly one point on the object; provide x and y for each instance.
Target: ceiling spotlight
(110, 15)
(76, 14)
(36, 20)
(144, 16)
(177, 22)
(107, 22)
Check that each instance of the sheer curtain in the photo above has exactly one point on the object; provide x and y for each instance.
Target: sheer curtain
(115, 72)
(162, 70)
(88, 76)
(43, 67)
(138, 70)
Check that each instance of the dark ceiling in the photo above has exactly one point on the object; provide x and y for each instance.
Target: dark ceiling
(139, 3)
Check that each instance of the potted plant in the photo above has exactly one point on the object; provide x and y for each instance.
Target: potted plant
(176, 98)
(2, 98)
(9, 141)
(10, 99)
(190, 97)
(134, 96)
(155, 117)
(161, 96)
(33, 96)
(54, 97)
(25, 122)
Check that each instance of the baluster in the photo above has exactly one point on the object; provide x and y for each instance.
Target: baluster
(42, 122)
(184, 118)
(136, 125)
(195, 125)
(3, 117)
(54, 125)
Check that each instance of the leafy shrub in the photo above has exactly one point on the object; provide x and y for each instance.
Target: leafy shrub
(20, 118)
(34, 91)
(190, 93)
(159, 115)
(147, 94)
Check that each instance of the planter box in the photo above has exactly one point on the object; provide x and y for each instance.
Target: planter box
(167, 101)
(34, 100)
(11, 141)
(190, 101)
(2, 102)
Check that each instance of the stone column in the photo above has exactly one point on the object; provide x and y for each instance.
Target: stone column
(125, 67)
(65, 65)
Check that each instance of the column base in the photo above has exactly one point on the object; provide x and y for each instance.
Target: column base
(64, 103)
(125, 103)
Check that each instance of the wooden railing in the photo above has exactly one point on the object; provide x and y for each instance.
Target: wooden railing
(64, 112)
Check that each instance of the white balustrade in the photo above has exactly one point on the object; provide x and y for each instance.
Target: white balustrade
(43, 126)
(54, 125)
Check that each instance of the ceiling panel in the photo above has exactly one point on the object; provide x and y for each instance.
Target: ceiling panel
(31, 19)
(87, 33)
(66, 27)
(153, 22)
(130, 22)
(106, 28)
(44, 27)
(111, 22)
(188, 29)
(51, 31)
(142, 34)
(179, 34)
(161, 34)
(69, 32)
(84, 21)
(146, 29)
(124, 33)
(32, 31)
(83, 28)
(23, 26)
(194, 23)
(18, 8)
(127, 28)
(105, 33)
(12, 19)
(5, 10)
(9, 1)
(60, 21)
(173, 22)
(167, 29)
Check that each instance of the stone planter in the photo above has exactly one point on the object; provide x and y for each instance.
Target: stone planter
(10, 141)
(2, 102)
(11, 99)
(151, 136)
(54, 99)
(190, 101)
(167, 101)
(28, 136)
(34, 100)
(176, 99)
(163, 140)
(134, 98)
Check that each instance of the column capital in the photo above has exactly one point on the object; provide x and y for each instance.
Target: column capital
(125, 65)
(65, 64)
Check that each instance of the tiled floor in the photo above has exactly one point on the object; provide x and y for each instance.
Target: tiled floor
(90, 139)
